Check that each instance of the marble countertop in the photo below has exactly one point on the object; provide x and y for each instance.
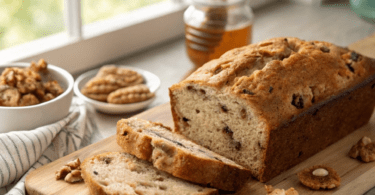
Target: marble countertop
(336, 24)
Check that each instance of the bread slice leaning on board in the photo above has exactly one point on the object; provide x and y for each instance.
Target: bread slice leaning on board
(268, 106)
(124, 174)
(174, 154)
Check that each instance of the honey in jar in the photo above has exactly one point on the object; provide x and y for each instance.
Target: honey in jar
(213, 27)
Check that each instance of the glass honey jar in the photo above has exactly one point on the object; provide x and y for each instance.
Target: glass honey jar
(213, 27)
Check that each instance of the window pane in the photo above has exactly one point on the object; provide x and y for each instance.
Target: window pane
(95, 10)
(25, 20)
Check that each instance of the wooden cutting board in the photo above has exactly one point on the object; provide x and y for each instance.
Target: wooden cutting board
(356, 177)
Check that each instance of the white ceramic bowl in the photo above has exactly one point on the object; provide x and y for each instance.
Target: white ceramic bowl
(151, 80)
(31, 117)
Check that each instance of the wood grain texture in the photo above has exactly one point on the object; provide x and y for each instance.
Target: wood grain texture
(357, 177)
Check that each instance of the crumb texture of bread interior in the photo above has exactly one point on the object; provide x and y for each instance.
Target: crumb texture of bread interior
(161, 134)
(222, 124)
(231, 104)
(122, 173)
(179, 156)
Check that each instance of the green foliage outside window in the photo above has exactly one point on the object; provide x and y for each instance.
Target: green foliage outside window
(95, 10)
(25, 20)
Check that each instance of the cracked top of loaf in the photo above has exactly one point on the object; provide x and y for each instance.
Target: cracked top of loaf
(281, 77)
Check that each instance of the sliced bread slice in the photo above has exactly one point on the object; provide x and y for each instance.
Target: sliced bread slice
(175, 154)
(124, 174)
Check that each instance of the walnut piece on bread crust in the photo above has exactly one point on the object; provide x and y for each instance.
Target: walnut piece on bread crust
(271, 191)
(363, 150)
(311, 177)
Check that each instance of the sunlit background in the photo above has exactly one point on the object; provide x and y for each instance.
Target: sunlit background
(25, 20)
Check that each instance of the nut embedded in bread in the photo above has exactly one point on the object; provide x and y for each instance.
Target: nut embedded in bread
(124, 174)
(270, 105)
(177, 155)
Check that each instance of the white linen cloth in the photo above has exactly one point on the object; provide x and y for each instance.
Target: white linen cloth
(24, 151)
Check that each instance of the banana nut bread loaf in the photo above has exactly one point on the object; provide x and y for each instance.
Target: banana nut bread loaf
(271, 105)
(124, 174)
(174, 154)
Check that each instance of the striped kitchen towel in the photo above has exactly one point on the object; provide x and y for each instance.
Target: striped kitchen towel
(24, 151)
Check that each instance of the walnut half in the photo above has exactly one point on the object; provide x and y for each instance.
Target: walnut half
(363, 150)
(70, 172)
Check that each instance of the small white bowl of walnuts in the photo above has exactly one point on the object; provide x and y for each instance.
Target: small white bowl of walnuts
(33, 95)
(117, 89)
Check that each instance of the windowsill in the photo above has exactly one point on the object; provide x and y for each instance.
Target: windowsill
(106, 40)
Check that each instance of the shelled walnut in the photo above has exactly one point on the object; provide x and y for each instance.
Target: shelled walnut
(363, 150)
(24, 86)
(117, 85)
(70, 172)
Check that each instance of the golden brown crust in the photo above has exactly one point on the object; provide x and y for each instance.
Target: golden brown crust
(166, 155)
(292, 79)
(316, 129)
(94, 187)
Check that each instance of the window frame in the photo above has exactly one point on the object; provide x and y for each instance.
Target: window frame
(84, 47)
(104, 41)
